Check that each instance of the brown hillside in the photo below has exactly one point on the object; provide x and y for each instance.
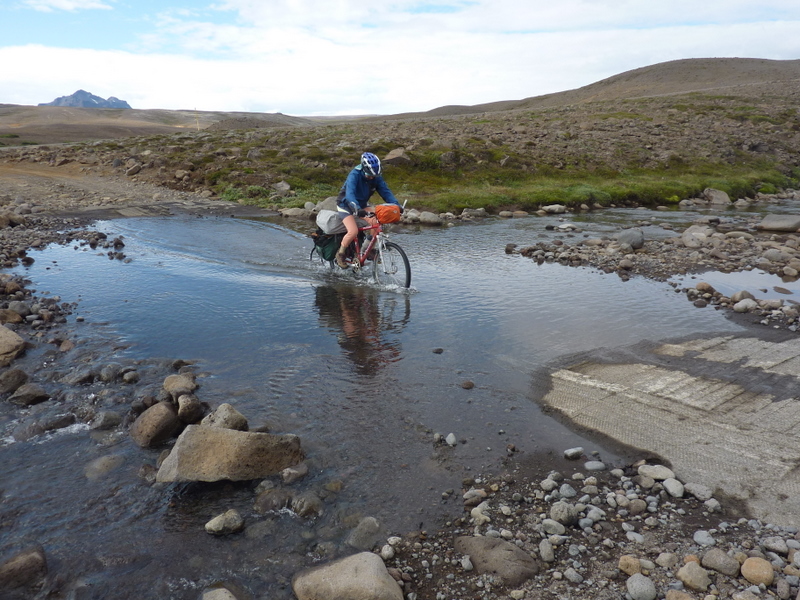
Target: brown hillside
(734, 76)
(741, 77)
(52, 124)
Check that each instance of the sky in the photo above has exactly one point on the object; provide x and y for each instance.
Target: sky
(348, 57)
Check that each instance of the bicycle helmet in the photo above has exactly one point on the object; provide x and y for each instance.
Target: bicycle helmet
(370, 164)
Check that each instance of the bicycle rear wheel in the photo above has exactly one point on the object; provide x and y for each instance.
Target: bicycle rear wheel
(391, 266)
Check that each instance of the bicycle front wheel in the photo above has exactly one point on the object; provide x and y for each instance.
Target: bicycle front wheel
(391, 266)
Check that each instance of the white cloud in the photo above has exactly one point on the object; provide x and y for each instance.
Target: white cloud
(68, 5)
(504, 15)
(346, 57)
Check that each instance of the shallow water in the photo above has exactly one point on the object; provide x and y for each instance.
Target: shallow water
(348, 367)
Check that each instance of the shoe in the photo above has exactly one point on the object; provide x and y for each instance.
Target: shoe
(340, 261)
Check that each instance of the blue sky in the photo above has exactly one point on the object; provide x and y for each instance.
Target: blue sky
(335, 57)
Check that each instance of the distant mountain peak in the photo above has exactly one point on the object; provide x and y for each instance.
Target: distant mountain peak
(84, 99)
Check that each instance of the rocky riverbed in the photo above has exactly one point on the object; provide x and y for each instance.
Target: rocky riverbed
(718, 242)
(590, 532)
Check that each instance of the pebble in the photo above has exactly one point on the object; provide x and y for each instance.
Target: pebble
(546, 551)
(640, 587)
(674, 487)
(226, 523)
(567, 491)
(704, 538)
(757, 571)
(699, 491)
(573, 576)
(552, 527)
(594, 465)
(693, 576)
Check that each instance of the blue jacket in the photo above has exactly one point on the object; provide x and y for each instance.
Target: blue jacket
(357, 190)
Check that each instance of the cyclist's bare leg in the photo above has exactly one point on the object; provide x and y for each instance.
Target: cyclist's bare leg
(352, 230)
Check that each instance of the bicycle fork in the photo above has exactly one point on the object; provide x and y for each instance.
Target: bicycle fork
(386, 266)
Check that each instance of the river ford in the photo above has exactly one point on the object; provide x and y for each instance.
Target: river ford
(366, 377)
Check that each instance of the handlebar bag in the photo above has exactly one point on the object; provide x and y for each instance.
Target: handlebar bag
(387, 213)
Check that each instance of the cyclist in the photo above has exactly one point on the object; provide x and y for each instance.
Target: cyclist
(363, 181)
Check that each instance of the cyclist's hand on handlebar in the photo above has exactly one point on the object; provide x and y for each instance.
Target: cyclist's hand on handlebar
(362, 213)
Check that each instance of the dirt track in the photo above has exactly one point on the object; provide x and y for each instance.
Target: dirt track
(69, 191)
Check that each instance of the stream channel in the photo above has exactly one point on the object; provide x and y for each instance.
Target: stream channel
(348, 367)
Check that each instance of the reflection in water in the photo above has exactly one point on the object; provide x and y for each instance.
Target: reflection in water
(366, 322)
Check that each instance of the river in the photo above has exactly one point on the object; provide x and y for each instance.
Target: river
(365, 377)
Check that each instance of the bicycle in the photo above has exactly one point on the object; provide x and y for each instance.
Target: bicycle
(390, 264)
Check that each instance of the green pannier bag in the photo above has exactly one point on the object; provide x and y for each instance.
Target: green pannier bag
(326, 244)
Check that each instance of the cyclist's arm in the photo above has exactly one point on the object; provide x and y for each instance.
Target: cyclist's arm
(384, 191)
(350, 192)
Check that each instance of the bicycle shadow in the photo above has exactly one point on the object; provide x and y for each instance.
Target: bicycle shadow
(366, 323)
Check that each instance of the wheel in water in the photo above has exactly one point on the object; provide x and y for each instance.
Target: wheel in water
(391, 266)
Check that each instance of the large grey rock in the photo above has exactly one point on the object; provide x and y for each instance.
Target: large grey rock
(397, 157)
(328, 204)
(220, 593)
(492, 556)
(79, 376)
(657, 472)
(694, 576)
(106, 419)
(366, 533)
(307, 505)
(225, 524)
(190, 409)
(718, 560)
(555, 209)
(429, 218)
(226, 417)
(179, 384)
(362, 576)
(297, 213)
(564, 513)
(699, 491)
(29, 394)
(696, 236)
(11, 346)
(634, 237)
(25, 569)
(155, 425)
(11, 379)
(474, 212)
(780, 223)
(20, 307)
(741, 295)
(745, 305)
(9, 316)
(215, 454)
(713, 196)
(640, 587)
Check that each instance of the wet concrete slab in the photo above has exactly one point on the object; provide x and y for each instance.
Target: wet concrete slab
(724, 411)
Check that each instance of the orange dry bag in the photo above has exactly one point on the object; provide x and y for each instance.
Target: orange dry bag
(387, 213)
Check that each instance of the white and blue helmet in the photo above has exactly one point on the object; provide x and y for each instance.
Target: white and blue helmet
(370, 164)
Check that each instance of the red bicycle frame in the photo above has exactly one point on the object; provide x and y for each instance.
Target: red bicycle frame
(360, 257)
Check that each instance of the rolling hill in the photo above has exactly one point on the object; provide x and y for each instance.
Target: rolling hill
(746, 77)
